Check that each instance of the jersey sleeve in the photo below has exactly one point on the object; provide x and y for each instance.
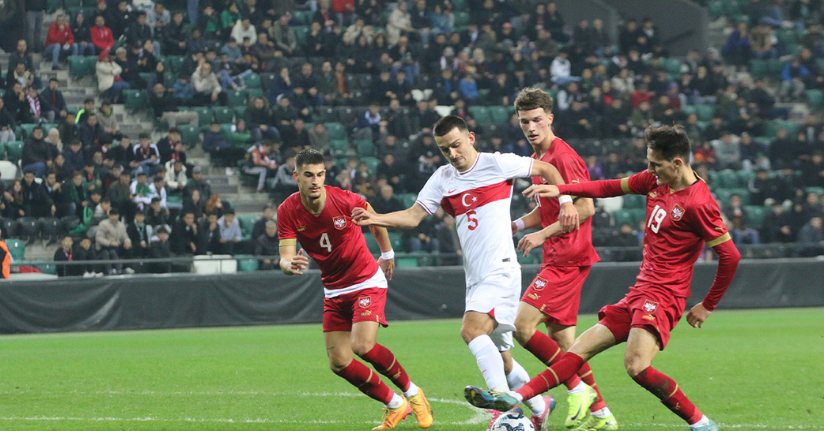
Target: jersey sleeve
(639, 184)
(708, 225)
(355, 200)
(431, 194)
(572, 169)
(286, 230)
(514, 166)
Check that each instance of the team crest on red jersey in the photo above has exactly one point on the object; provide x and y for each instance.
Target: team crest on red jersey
(539, 284)
(364, 302)
(650, 306)
(677, 212)
(340, 222)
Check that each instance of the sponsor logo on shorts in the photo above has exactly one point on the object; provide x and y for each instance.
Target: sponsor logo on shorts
(340, 222)
(365, 302)
(647, 317)
(534, 296)
(650, 306)
(366, 313)
(677, 212)
(539, 283)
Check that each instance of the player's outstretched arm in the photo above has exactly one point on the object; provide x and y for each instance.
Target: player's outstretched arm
(387, 259)
(568, 216)
(728, 258)
(585, 209)
(528, 221)
(406, 219)
(291, 263)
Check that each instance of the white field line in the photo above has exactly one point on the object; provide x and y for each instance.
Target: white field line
(479, 416)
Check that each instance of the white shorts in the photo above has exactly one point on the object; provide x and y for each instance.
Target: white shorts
(498, 295)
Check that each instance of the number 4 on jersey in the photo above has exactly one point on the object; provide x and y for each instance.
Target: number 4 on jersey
(324, 242)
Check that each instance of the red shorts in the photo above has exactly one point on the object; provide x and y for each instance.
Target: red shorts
(653, 310)
(340, 312)
(556, 291)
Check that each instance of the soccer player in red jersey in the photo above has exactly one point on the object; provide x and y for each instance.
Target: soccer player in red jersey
(681, 216)
(554, 295)
(354, 284)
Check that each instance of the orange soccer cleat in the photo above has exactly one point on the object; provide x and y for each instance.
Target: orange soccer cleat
(392, 417)
(421, 408)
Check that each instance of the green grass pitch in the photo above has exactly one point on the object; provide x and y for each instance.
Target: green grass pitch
(748, 370)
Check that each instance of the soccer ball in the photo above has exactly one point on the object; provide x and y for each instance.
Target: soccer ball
(512, 421)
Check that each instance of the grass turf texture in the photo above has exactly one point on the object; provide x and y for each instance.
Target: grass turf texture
(745, 369)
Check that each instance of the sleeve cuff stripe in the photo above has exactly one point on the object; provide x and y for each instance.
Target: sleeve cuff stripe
(720, 240)
(625, 185)
(424, 207)
(288, 241)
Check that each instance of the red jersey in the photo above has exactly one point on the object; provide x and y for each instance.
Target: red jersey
(574, 248)
(678, 224)
(332, 239)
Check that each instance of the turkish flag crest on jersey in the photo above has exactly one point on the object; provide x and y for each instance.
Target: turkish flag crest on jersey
(539, 284)
(365, 302)
(340, 222)
(677, 212)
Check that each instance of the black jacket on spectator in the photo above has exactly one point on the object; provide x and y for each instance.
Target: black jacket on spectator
(52, 101)
(136, 235)
(67, 270)
(180, 238)
(255, 117)
(137, 33)
(36, 201)
(6, 119)
(161, 104)
(90, 135)
(266, 245)
(18, 109)
(208, 240)
(68, 132)
(35, 150)
(259, 228)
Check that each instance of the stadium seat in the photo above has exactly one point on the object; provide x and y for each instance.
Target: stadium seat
(14, 151)
(372, 244)
(634, 202)
(204, 114)
(236, 98)
(223, 114)
(407, 199)
(252, 81)
(396, 238)
(247, 223)
(815, 98)
(347, 115)
(758, 68)
(26, 130)
(189, 135)
(304, 16)
(339, 148)
(251, 93)
(461, 19)
(336, 130)
(705, 112)
(135, 100)
(755, 216)
(3, 154)
(726, 179)
(744, 178)
(17, 249)
(323, 114)
(773, 126)
(300, 35)
(724, 195)
(364, 148)
(247, 263)
(481, 114)
(672, 66)
(372, 162)
(406, 262)
(817, 190)
(239, 111)
(80, 66)
(500, 114)
(631, 216)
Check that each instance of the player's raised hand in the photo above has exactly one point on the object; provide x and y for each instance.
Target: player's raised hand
(698, 315)
(568, 217)
(361, 216)
(531, 241)
(299, 263)
(388, 266)
(544, 191)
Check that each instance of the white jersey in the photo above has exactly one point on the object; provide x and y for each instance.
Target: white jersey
(479, 199)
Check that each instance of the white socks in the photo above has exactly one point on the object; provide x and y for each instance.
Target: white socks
(396, 402)
(519, 377)
(701, 423)
(578, 389)
(412, 391)
(603, 413)
(490, 362)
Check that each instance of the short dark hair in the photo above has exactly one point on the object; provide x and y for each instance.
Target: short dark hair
(668, 142)
(161, 230)
(114, 211)
(533, 98)
(229, 211)
(446, 124)
(308, 156)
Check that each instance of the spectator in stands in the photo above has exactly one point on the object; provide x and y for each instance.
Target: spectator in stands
(753, 153)
(448, 242)
(160, 249)
(22, 76)
(209, 236)
(7, 124)
(36, 200)
(793, 79)
(812, 171)
(198, 183)
(91, 179)
(53, 104)
(112, 242)
(121, 18)
(210, 27)
(157, 17)
(399, 23)
(35, 114)
(776, 226)
(737, 216)
(176, 178)
(106, 119)
(108, 77)
(266, 244)
(158, 189)
(59, 168)
(156, 215)
(101, 36)
(244, 29)
(12, 202)
(20, 55)
(146, 154)
(119, 194)
(184, 237)
(140, 192)
(91, 133)
(812, 236)
(230, 234)
(140, 235)
(85, 253)
(284, 36)
(727, 151)
(36, 156)
(257, 118)
(59, 41)
(174, 36)
(82, 36)
(386, 202)
(284, 179)
(76, 196)
(216, 143)
(368, 123)
(165, 107)
(66, 254)
(194, 204)
(766, 190)
(206, 86)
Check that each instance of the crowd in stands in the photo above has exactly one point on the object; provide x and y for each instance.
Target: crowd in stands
(384, 71)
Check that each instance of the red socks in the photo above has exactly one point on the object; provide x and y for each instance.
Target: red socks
(663, 387)
(547, 351)
(367, 381)
(553, 376)
(384, 361)
(585, 373)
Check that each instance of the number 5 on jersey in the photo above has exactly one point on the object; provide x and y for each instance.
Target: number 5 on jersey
(471, 217)
(324, 242)
(656, 217)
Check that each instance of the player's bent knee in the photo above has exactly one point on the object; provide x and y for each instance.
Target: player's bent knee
(338, 364)
(361, 348)
(469, 333)
(634, 364)
(523, 332)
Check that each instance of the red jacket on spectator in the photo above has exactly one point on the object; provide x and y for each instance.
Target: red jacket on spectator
(102, 37)
(638, 97)
(59, 36)
(343, 6)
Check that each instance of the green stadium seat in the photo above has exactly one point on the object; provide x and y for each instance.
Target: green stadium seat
(631, 216)
(14, 151)
(481, 114)
(300, 34)
(339, 148)
(236, 98)
(364, 148)
(817, 190)
(223, 114)
(204, 114)
(634, 202)
(80, 66)
(755, 216)
(304, 16)
(461, 19)
(372, 162)
(336, 130)
(396, 238)
(239, 111)
(372, 244)
(725, 195)
(407, 199)
(744, 178)
(247, 263)
(247, 223)
(406, 262)
(705, 112)
(26, 130)
(759, 69)
(135, 100)
(726, 179)
(815, 98)
(773, 126)
(774, 67)
(251, 93)
(252, 81)
(500, 114)
(17, 249)
(672, 66)
(2, 151)
(172, 63)
(189, 135)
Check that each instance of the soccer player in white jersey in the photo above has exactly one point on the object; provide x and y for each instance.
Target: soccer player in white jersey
(476, 189)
